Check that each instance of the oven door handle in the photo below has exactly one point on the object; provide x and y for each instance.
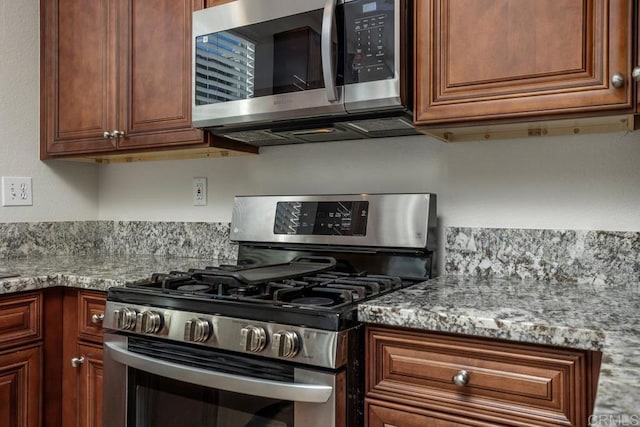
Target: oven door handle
(295, 392)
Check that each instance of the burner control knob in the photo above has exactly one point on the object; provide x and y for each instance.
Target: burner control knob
(286, 343)
(125, 318)
(254, 338)
(197, 330)
(150, 322)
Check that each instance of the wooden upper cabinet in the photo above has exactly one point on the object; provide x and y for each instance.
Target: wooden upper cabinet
(637, 63)
(217, 2)
(495, 59)
(116, 65)
(155, 88)
(78, 91)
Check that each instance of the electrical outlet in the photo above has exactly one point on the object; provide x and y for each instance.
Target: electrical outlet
(199, 191)
(16, 191)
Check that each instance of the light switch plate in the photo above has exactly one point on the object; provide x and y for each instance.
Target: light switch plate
(16, 191)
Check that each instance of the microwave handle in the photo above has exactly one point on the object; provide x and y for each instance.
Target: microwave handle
(295, 392)
(328, 61)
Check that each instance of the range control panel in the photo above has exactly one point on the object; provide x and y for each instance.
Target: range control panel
(348, 218)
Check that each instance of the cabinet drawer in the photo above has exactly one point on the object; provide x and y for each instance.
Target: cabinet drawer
(520, 384)
(380, 414)
(91, 313)
(20, 319)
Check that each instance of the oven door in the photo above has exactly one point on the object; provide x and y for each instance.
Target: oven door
(257, 61)
(155, 384)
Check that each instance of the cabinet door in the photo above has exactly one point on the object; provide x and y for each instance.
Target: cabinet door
(20, 387)
(494, 59)
(90, 386)
(78, 93)
(155, 73)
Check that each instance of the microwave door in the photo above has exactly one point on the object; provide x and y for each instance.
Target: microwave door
(258, 62)
(372, 74)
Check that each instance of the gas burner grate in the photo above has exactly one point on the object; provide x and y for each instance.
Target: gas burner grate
(324, 290)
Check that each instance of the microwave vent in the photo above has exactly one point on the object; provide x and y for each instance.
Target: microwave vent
(254, 136)
(381, 125)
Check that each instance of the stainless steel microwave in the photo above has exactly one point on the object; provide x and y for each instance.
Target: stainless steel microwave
(269, 72)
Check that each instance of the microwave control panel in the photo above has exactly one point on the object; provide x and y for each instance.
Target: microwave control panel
(370, 37)
(348, 218)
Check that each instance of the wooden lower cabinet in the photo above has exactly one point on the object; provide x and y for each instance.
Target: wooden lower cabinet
(20, 386)
(379, 415)
(82, 359)
(453, 380)
(21, 360)
(90, 386)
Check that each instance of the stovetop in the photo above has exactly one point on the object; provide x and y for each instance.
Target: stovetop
(326, 289)
(324, 300)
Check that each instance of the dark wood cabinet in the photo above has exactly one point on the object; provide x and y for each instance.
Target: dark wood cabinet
(82, 358)
(217, 2)
(20, 386)
(470, 381)
(21, 360)
(488, 60)
(382, 414)
(90, 386)
(116, 79)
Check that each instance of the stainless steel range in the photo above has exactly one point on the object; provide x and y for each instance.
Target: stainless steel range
(272, 340)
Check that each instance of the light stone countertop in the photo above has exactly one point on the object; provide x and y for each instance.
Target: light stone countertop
(97, 272)
(584, 316)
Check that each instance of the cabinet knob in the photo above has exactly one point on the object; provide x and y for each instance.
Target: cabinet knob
(97, 318)
(461, 378)
(635, 74)
(617, 80)
(118, 133)
(77, 361)
(107, 135)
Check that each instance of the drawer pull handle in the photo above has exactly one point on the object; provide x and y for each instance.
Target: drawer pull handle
(97, 318)
(461, 378)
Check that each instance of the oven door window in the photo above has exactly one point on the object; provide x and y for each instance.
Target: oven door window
(158, 402)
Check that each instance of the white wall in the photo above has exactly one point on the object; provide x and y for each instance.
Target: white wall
(574, 182)
(61, 190)
(577, 182)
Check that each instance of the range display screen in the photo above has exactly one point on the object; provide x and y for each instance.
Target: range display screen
(322, 218)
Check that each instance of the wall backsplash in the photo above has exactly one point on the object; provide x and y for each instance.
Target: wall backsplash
(19, 239)
(598, 257)
(179, 239)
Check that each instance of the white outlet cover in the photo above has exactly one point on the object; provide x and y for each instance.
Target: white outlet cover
(199, 191)
(16, 191)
